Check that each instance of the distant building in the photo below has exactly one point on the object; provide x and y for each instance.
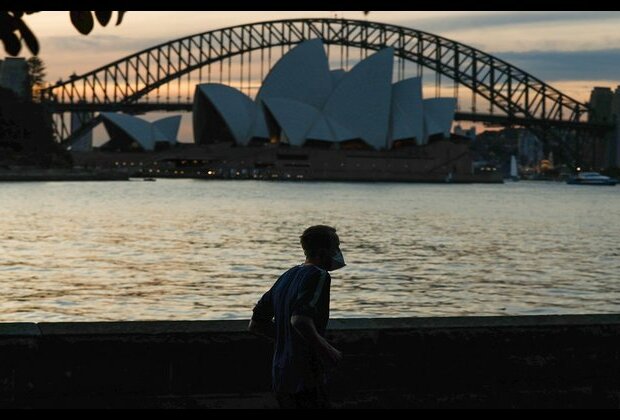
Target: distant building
(605, 109)
(470, 133)
(14, 76)
(614, 152)
(530, 148)
(615, 103)
(601, 99)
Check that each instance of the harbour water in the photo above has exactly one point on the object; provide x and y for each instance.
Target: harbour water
(196, 250)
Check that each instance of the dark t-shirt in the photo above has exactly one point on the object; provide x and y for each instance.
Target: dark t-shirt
(302, 290)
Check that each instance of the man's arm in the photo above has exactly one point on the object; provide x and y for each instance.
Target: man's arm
(304, 325)
(263, 328)
(262, 318)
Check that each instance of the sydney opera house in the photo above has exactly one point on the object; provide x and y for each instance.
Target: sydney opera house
(307, 121)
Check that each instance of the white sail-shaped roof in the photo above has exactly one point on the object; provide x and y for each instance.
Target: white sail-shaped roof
(327, 129)
(294, 118)
(341, 133)
(337, 76)
(438, 116)
(302, 74)
(135, 128)
(234, 107)
(168, 128)
(320, 130)
(145, 133)
(260, 125)
(82, 144)
(361, 101)
(407, 116)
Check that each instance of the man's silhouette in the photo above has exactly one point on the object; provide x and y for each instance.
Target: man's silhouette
(294, 312)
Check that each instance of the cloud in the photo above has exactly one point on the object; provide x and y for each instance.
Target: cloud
(567, 65)
(100, 44)
(481, 20)
(574, 49)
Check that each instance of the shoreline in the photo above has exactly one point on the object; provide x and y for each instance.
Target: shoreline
(51, 176)
(38, 175)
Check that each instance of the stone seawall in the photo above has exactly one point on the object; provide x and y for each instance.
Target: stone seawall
(48, 175)
(529, 361)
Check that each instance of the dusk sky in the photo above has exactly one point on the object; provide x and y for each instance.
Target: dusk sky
(573, 51)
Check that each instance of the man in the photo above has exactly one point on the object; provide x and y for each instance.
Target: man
(294, 312)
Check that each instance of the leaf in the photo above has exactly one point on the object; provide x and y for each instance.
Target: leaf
(7, 23)
(103, 17)
(28, 37)
(12, 45)
(120, 17)
(83, 22)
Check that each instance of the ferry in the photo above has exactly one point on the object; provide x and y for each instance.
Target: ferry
(591, 178)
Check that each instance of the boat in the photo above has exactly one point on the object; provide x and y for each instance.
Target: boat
(591, 178)
(514, 172)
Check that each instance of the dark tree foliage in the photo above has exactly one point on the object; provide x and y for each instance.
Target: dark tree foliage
(13, 30)
(36, 76)
(26, 136)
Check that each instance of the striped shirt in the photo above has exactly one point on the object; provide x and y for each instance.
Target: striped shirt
(302, 290)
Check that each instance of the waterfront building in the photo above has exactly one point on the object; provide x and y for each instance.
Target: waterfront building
(605, 109)
(307, 122)
(600, 104)
(14, 76)
(615, 142)
(531, 150)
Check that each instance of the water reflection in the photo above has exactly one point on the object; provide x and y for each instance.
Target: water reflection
(207, 250)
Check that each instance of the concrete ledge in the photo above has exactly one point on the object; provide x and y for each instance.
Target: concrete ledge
(188, 327)
(21, 329)
(529, 361)
(472, 322)
(141, 327)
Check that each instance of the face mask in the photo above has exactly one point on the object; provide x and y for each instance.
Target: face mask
(337, 261)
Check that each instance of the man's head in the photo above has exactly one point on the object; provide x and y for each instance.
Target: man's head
(322, 246)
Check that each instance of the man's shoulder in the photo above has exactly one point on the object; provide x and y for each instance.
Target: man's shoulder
(291, 270)
(306, 271)
(315, 274)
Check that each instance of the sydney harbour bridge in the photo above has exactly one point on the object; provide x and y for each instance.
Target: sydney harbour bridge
(162, 78)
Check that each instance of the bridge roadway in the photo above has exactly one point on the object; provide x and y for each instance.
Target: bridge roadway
(490, 119)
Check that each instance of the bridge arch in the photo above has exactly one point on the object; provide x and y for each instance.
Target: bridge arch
(125, 81)
(522, 98)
